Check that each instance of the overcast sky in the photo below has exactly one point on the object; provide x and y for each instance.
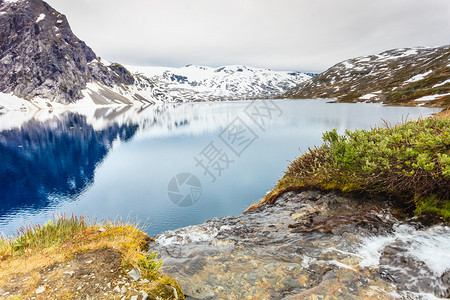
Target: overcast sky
(303, 35)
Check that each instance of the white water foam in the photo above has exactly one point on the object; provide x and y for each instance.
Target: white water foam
(191, 234)
(431, 246)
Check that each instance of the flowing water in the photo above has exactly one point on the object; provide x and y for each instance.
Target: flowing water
(309, 245)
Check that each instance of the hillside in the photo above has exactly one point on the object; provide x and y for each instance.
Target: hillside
(411, 76)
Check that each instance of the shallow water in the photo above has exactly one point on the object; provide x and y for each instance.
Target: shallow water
(121, 162)
(258, 255)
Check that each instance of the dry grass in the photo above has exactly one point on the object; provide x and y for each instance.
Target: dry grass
(37, 248)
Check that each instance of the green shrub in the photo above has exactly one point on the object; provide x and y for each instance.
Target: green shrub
(409, 161)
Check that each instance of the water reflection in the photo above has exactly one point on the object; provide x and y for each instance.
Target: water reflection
(43, 162)
(113, 162)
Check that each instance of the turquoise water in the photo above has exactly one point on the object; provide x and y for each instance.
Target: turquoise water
(123, 162)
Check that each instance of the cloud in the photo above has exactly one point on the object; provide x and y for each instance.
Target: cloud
(308, 35)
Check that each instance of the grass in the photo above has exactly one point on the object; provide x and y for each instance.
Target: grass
(409, 163)
(35, 248)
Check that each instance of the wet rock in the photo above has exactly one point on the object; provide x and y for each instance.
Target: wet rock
(409, 273)
(305, 245)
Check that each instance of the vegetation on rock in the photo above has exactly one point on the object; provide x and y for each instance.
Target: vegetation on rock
(409, 162)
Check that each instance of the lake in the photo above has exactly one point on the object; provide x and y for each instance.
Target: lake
(167, 166)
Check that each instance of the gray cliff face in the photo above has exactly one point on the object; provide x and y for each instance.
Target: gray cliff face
(41, 57)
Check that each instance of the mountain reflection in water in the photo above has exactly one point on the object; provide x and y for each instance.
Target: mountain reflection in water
(118, 162)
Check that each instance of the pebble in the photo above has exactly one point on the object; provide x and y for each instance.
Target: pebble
(70, 273)
(123, 290)
(144, 281)
(144, 295)
(134, 274)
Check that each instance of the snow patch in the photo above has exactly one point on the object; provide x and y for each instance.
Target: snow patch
(40, 18)
(367, 96)
(106, 63)
(419, 77)
(442, 83)
(431, 97)
(347, 65)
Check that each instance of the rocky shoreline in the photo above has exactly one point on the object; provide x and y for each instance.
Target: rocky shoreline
(310, 245)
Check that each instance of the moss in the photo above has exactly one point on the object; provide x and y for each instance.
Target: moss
(165, 288)
(410, 162)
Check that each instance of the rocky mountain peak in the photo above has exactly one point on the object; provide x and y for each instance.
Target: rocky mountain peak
(44, 65)
(39, 54)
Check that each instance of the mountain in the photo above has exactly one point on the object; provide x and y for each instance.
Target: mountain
(411, 76)
(41, 58)
(199, 83)
(44, 65)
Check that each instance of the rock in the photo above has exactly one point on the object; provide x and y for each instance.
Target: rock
(70, 273)
(116, 289)
(143, 295)
(123, 290)
(40, 290)
(240, 258)
(41, 59)
(134, 274)
(144, 281)
(45, 59)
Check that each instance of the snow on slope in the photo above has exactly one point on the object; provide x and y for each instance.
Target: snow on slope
(395, 76)
(198, 83)
(187, 84)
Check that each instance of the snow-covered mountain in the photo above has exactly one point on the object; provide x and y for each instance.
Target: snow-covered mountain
(199, 83)
(44, 65)
(417, 76)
